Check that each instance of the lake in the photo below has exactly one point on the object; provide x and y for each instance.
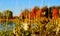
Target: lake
(10, 26)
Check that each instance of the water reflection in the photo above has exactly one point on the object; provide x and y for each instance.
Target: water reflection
(8, 27)
(11, 24)
(1, 27)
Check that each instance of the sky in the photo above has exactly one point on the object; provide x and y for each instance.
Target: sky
(17, 5)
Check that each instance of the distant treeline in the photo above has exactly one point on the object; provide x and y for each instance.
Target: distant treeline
(6, 14)
(36, 12)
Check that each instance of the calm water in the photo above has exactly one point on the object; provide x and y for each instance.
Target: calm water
(8, 27)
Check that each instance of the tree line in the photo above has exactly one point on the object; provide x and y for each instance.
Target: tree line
(36, 12)
(6, 14)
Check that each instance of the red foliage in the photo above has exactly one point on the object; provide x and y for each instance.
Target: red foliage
(33, 12)
(55, 13)
(39, 13)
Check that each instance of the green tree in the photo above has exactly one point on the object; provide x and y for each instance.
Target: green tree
(1, 15)
(7, 13)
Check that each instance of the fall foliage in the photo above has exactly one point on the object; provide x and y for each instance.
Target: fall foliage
(38, 21)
